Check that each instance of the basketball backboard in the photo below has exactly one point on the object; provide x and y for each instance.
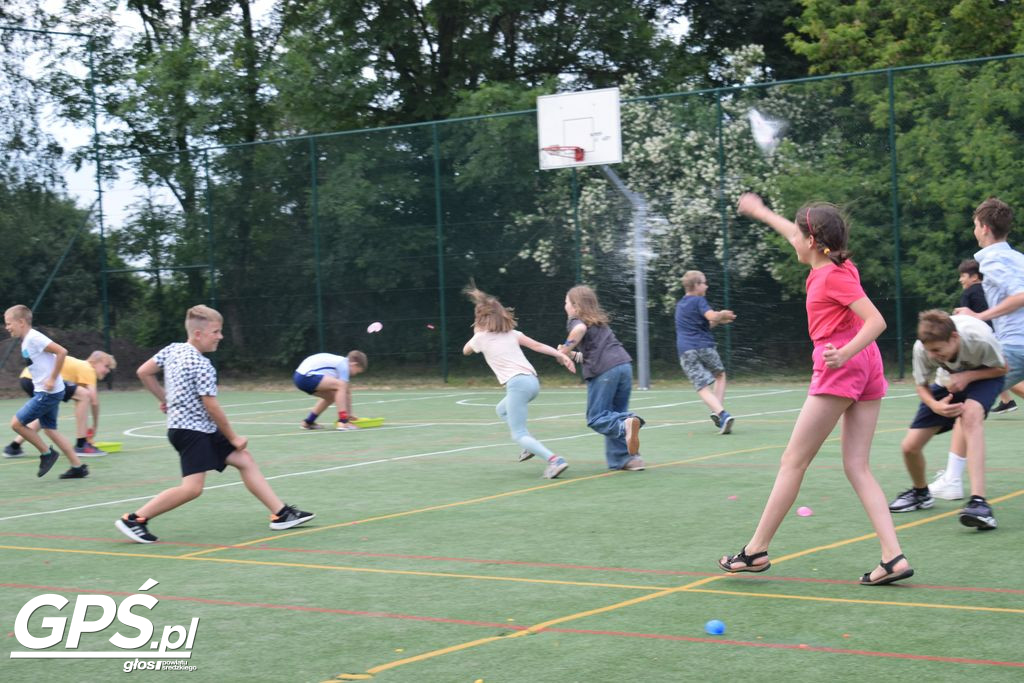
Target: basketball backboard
(579, 129)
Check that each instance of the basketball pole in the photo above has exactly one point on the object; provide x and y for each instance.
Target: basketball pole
(639, 204)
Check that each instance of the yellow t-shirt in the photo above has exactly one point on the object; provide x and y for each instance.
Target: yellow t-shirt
(74, 370)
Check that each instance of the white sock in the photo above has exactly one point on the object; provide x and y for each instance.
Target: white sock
(955, 465)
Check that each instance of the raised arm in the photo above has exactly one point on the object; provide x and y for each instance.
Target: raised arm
(753, 206)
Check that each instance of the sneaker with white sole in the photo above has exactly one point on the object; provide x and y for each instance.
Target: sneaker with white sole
(89, 451)
(635, 464)
(978, 513)
(946, 489)
(134, 527)
(13, 450)
(911, 500)
(525, 455)
(726, 420)
(1004, 407)
(555, 467)
(716, 420)
(289, 516)
(311, 426)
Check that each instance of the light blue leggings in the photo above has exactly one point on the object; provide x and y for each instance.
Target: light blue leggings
(519, 391)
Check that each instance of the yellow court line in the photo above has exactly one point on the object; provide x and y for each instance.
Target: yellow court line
(341, 568)
(854, 601)
(627, 603)
(484, 499)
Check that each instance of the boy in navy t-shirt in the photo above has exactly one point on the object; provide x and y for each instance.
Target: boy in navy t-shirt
(696, 346)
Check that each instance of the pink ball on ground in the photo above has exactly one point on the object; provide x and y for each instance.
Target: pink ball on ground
(804, 511)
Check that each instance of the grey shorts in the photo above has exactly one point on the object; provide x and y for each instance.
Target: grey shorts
(701, 366)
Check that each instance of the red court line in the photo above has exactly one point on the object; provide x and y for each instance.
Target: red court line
(513, 627)
(524, 563)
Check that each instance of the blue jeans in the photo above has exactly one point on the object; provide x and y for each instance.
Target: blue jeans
(607, 409)
(513, 409)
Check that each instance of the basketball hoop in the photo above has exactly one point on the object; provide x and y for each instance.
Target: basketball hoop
(567, 151)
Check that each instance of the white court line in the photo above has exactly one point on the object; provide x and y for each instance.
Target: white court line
(401, 457)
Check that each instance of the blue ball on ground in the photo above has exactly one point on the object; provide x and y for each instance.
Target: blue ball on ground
(715, 627)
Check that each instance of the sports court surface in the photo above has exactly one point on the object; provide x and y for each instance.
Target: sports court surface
(436, 556)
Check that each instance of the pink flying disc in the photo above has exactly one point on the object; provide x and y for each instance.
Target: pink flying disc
(374, 327)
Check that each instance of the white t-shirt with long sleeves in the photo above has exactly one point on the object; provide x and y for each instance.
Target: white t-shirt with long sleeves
(502, 352)
(32, 348)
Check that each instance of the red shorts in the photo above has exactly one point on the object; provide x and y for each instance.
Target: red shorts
(861, 378)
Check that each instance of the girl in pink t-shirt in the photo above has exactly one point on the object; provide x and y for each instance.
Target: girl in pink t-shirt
(495, 336)
(847, 383)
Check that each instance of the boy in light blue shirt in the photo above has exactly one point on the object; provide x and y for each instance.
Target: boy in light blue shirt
(1003, 271)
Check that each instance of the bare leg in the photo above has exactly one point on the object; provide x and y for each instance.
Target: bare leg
(817, 419)
(191, 488)
(913, 454)
(83, 401)
(33, 425)
(972, 422)
(708, 395)
(29, 434)
(720, 388)
(859, 424)
(254, 480)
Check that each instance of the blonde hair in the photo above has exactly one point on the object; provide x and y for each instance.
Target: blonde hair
(358, 358)
(691, 279)
(935, 326)
(102, 357)
(20, 312)
(198, 317)
(584, 300)
(489, 315)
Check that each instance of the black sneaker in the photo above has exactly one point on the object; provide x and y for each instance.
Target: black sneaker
(134, 527)
(288, 517)
(13, 450)
(978, 513)
(910, 500)
(1004, 407)
(80, 472)
(46, 462)
(717, 420)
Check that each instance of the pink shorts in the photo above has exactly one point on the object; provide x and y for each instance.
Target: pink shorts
(861, 378)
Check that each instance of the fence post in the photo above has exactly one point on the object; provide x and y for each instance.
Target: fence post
(98, 157)
(314, 210)
(211, 251)
(438, 216)
(723, 212)
(578, 241)
(895, 220)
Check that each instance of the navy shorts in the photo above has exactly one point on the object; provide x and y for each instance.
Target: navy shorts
(199, 451)
(984, 391)
(30, 389)
(42, 407)
(307, 383)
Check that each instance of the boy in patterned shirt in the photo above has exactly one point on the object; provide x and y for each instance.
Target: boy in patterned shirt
(198, 428)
